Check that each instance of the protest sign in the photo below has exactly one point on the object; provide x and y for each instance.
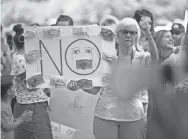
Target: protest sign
(65, 132)
(62, 50)
(56, 55)
(71, 52)
(73, 109)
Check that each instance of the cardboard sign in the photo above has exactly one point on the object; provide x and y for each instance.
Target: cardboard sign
(72, 52)
(60, 131)
(64, 53)
(73, 109)
(60, 54)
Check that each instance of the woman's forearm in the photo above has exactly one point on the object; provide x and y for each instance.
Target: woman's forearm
(7, 63)
(152, 48)
(13, 126)
(93, 90)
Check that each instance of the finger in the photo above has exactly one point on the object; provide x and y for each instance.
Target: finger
(71, 85)
(68, 86)
(75, 85)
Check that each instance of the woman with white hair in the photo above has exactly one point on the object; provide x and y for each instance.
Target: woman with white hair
(108, 20)
(116, 117)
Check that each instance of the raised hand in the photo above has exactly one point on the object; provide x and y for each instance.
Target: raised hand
(145, 26)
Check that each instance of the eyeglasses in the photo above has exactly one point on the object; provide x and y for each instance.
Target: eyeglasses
(176, 32)
(125, 32)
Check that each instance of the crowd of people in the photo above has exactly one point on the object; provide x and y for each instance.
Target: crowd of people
(24, 111)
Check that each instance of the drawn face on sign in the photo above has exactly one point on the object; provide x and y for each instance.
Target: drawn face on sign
(82, 57)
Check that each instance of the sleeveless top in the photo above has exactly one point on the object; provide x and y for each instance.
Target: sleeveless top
(111, 107)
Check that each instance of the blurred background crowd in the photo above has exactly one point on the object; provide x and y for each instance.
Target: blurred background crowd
(88, 11)
(167, 45)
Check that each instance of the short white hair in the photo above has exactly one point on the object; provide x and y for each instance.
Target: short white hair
(128, 22)
(108, 18)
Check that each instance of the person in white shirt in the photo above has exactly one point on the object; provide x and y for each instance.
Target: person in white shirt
(119, 117)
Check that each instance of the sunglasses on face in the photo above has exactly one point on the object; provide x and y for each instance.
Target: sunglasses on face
(176, 33)
(125, 32)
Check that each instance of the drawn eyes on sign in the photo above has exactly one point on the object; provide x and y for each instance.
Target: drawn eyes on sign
(70, 132)
(88, 51)
(76, 51)
(55, 129)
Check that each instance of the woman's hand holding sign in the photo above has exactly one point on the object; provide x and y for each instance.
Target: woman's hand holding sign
(80, 84)
(73, 86)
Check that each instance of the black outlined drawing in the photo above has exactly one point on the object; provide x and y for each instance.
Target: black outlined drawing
(82, 57)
